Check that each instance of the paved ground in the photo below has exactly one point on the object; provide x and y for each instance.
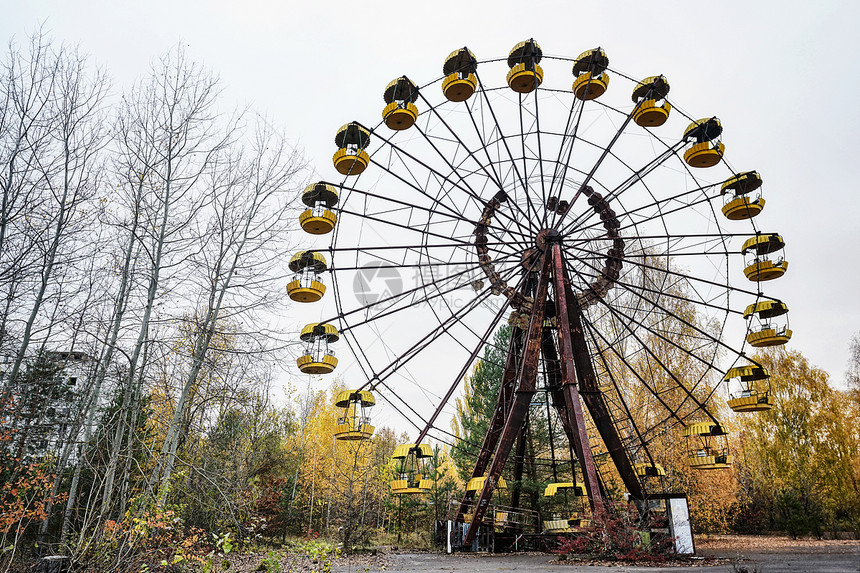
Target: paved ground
(783, 557)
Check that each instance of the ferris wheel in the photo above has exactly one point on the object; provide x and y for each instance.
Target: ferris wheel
(604, 225)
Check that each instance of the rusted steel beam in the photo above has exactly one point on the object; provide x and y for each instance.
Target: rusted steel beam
(593, 397)
(519, 462)
(554, 379)
(569, 376)
(500, 414)
(525, 389)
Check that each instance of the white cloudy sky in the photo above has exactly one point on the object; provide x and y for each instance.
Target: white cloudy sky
(783, 76)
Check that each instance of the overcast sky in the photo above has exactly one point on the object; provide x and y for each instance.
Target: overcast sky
(782, 76)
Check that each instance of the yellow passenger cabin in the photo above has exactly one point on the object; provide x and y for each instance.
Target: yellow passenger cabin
(572, 508)
(318, 357)
(307, 285)
(410, 462)
(764, 257)
(460, 81)
(351, 157)
(318, 218)
(652, 109)
(589, 69)
(749, 389)
(525, 74)
(477, 484)
(708, 446)
(578, 488)
(742, 194)
(768, 323)
(354, 420)
(400, 111)
(649, 470)
(707, 458)
(577, 520)
(704, 148)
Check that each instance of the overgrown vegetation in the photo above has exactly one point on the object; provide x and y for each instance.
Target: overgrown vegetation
(618, 533)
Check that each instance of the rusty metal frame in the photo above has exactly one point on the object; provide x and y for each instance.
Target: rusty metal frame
(525, 389)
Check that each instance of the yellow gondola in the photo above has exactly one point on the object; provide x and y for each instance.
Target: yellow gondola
(460, 80)
(557, 526)
(591, 77)
(477, 483)
(411, 467)
(306, 285)
(400, 112)
(760, 265)
(710, 449)
(553, 488)
(705, 149)
(749, 390)
(319, 219)
(649, 470)
(738, 205)
(354, 421)
(647, 94)
(560, 524)
(525, 74)
(350, 157)
(771, 323)
(565, 525)
(318, 357)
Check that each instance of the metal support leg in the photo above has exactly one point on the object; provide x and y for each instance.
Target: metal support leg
(522, 399)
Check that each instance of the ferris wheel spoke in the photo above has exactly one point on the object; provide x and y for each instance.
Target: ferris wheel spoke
(497, 178)
(540, 161)
(492, 176)
(504, 275)
(694, 278)
(608, 346)
(460, 376)
(702, 250)
(595, 167)
(504, 141)
(383, 221)
(452, 214)
(470, 154)
(437, 283)
(632, 320)
(530, 207)
(413, 350)
(656, 204)
(476, 198)
(674, 411)
(663, 290)
(568, 139)
(619, 394)
(629, 183)
(636, 291)
(413, 180)
(444, 325)
(416, 185)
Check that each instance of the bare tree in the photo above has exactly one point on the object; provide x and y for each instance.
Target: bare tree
(170, 135)
(239, 269)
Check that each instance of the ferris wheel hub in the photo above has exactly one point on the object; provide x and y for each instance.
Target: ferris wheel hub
(547, 237)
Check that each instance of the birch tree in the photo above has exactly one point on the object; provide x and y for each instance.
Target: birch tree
(169, 136)
(239, 269)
